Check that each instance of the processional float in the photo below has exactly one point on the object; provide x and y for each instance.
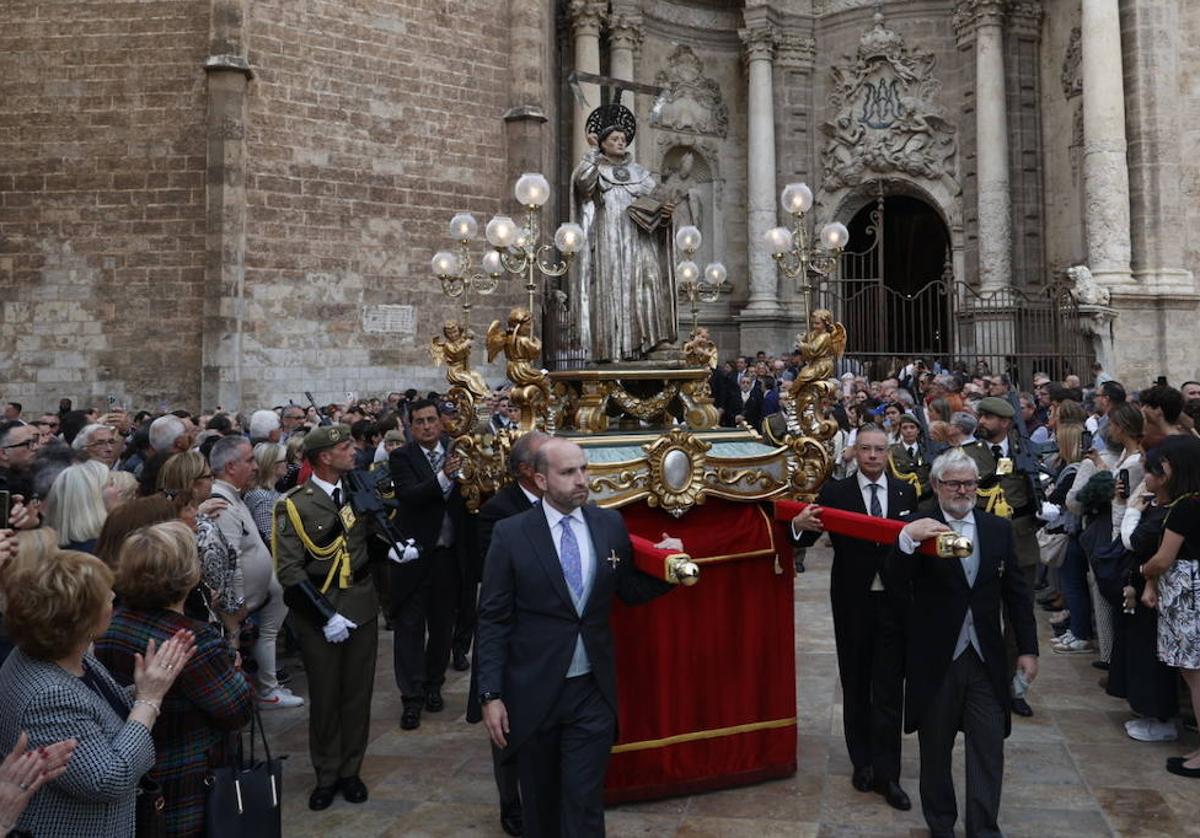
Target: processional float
(706, 677)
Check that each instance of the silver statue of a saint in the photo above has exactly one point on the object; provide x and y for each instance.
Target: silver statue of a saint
(623, 289)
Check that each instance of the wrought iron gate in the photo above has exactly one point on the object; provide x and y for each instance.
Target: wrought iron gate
(949, 321)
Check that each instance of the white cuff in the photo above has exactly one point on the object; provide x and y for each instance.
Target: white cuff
(906, 544)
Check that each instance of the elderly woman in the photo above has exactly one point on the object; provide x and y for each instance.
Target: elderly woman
(75, 505)
(51, 688)
(1173, 573)
(187, 481)
(157, 569)
(271, 460)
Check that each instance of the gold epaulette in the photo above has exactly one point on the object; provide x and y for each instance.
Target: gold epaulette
(997, 503)
(336, 551)
(908, 477)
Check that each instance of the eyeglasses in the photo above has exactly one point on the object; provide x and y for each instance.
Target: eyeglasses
(960, 485)
(32, 442)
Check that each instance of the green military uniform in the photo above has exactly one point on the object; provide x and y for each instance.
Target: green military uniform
(315, 542)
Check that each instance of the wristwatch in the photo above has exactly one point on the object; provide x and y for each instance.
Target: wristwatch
(485, 697)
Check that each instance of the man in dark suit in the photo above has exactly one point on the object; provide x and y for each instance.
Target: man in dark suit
(519, 496)
(957, 675)
(868, 615)
(745, 402)
(547, 675)
(425, 591)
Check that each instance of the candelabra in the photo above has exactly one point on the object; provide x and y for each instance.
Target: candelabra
(517, 249)
(687, 273)
(796, 256)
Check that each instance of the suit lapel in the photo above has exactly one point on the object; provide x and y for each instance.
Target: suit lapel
(600, 549)
(537, 528)
(959, 573)
(854, 495)
(895, 499)
(420, 460)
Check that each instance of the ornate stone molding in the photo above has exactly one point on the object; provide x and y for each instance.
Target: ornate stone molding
(886, 121)
(625, 31)
(796, 50)
(971, 14)
(690, 103)
(759, 42)
(1025, 17)
(587, 16)
(1072, 66)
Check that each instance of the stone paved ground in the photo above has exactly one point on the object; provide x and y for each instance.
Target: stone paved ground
(1070, 770)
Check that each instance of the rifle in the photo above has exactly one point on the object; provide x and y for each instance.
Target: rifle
(364, 494)
(1028, 455)
(322, 419)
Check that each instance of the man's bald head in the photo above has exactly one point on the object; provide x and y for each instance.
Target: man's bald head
(560, 468)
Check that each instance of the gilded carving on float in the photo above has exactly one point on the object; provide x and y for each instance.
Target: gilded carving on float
(676, 465)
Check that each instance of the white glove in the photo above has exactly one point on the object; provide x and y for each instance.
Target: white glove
(409, 553)
(338, 628)
(1050, 512)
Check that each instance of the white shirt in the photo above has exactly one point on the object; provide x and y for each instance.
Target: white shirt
(528, 494)
(967, 635)
(328, 488)
(864, 486)
(445, 482)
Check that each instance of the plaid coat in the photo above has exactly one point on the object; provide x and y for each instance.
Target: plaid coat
(96, 794)
(208, 700)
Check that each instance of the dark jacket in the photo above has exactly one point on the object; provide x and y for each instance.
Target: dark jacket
(751, 410)
(528, 624)
(423, 505)
(940, 598)
(855, 562)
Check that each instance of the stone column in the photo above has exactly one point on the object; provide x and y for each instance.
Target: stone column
(587, 17)
(1105, 172)
(985, 18)
(525, 133)
(624, 38)
(225, 266)
(1151, 30)
(759, 42)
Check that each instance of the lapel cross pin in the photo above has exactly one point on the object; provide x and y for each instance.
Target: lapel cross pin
(613, 559)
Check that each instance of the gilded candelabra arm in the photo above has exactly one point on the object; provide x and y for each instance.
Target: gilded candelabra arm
(514, 261)
(548, 268)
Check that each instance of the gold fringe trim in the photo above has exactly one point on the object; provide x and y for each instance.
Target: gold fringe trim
(648, 744)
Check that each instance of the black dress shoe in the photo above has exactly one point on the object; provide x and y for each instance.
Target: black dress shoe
(460, 663)
(896, 797)
(353, 789)
(1179, 769)
(863, 779)
(433, 700)
(511, 820)
(1021, 707)
(321, 798)
(410, 719)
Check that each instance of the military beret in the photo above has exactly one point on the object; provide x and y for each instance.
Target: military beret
(325, 436)
(996, 407)
(394, 435)
(908, 417)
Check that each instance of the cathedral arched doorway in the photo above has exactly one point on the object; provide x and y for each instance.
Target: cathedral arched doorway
(893, 291)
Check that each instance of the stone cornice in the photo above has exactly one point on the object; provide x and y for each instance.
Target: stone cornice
(795, 49)
(1026, 17)
(587, 16)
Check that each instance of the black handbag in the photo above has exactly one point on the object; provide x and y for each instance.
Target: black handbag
(244, 797)
(149, 810)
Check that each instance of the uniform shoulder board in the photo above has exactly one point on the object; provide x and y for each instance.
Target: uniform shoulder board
(290, 492)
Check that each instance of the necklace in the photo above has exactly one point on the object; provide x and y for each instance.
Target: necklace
(620, 173)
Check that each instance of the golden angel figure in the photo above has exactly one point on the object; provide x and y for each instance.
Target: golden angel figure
(700, 350)
(521, 349)
(820, 347)
(455, 350)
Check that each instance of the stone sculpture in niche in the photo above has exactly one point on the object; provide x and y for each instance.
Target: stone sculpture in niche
(885, 117)
(687, 183)
(690, 102)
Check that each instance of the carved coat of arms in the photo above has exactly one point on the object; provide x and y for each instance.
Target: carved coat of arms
(690, 101)
(885, 117)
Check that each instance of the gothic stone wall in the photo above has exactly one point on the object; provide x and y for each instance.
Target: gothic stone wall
(101, 200)
(369, 125)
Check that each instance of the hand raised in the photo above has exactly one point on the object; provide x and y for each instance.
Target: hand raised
(154, 674)
(925, 528)
(670, 543)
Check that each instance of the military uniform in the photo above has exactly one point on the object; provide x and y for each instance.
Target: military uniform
(323, 565)
(909, 463)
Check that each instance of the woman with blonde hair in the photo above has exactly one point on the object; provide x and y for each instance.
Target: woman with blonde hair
(75, 505)
(157, 569)
(271, 459)
(53, 690)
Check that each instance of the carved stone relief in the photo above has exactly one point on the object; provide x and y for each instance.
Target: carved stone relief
(886, 120)
(1072, 74)
(690, 102)
(687, 181)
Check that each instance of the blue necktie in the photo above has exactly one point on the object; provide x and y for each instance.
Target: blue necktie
(876, 507)
(568, 556)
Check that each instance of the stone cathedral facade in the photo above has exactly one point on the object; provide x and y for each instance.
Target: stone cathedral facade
(230, 201)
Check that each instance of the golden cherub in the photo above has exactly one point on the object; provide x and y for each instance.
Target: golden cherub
(700, 350)
(820, 347)
(455, 350)
(521, 349)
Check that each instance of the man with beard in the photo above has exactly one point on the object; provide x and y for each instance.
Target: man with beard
(547, 678)
(955, 669)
